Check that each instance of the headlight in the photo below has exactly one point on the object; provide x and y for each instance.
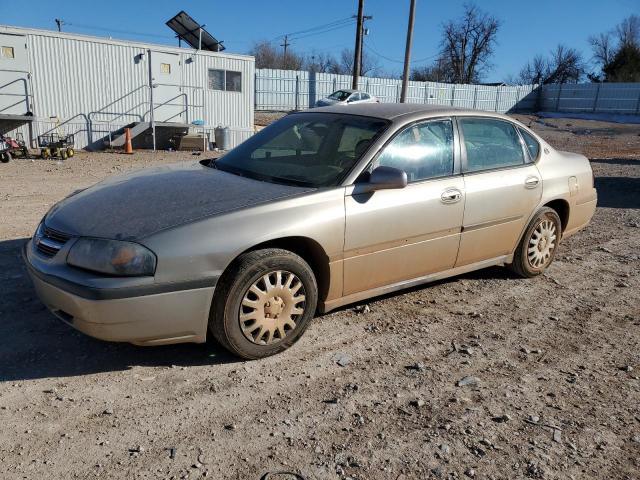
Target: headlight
(112, 257)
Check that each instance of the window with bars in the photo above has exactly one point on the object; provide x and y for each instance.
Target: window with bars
(225, 80)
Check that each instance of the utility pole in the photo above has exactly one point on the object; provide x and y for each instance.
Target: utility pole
(357, 58)
(407, 52)
(364, 33)
(284, 56)
(59, 23)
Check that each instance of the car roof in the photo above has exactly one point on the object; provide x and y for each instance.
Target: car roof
(394, 111)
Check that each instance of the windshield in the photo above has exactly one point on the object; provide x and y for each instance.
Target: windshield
(339, 95)
(307, 149)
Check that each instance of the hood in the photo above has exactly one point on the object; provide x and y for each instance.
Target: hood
(136, 205)
(325, 102)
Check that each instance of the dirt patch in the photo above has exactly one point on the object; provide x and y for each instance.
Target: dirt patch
(593, 138)
(481, 376)
(262, 119)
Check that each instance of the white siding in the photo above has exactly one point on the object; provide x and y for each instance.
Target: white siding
(90, 86)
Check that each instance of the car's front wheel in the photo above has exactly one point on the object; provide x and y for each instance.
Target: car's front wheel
(539, 243)
(263, 303)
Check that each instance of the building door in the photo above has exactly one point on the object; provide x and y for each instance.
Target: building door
(14, 75)
(169, 102)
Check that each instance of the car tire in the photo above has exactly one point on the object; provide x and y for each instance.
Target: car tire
(253, 319)
(538, 245)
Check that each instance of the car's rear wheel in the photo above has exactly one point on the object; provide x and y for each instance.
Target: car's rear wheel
(263, 303)
(538, 246)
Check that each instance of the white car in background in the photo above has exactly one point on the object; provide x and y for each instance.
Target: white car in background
(346, 97)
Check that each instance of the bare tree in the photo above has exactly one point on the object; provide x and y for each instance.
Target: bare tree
(268, 55)
(564, 65)
(628, 31)
(438, 71)
(468, 43)
(534, 71)
(320, 62)
(344, 65)
(602, 47)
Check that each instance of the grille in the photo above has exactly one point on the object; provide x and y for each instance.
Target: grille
(49, 242)
(56, 236)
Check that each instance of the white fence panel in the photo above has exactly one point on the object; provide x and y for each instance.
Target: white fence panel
(293, 90)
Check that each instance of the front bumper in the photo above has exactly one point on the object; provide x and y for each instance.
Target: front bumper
(176, 316)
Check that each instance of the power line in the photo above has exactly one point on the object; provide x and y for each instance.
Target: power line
(338, 27)
(317, 30)
(417, 60)
(320, 27)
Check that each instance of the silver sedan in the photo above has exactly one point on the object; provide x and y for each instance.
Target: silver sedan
(346, 97)
(321, 209)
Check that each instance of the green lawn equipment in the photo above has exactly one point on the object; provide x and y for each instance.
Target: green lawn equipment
(56, 145)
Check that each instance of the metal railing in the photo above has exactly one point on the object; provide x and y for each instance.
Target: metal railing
(24, 97)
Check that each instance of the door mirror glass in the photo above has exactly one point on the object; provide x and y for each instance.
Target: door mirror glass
(384, 178)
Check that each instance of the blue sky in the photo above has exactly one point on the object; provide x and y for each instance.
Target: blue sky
(528, 27)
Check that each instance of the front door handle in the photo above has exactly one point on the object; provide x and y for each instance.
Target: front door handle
(531, 182)
(451, 195)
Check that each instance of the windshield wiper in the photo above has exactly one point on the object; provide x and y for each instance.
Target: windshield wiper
(293, 179)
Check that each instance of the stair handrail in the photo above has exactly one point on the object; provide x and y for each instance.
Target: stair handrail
(26, 95)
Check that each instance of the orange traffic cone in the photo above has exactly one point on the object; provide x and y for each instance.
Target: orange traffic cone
(127, 141)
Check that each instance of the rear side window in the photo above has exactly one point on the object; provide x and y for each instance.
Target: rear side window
(423, 151)
(532, 144)
(490, 144)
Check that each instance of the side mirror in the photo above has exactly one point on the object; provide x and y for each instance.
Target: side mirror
(384, 178)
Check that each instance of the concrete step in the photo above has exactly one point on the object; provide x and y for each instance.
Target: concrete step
(137, 129)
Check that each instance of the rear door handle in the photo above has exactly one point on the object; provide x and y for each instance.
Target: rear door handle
(451, 195)
(531, 182)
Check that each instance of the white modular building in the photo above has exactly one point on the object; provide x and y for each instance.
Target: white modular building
(92, 87)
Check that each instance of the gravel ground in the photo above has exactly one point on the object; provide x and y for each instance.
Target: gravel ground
(481, 376)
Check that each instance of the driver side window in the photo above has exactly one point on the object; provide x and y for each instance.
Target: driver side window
(423, 151)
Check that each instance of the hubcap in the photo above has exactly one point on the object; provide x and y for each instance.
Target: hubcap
(542, 244)
(271, 307)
